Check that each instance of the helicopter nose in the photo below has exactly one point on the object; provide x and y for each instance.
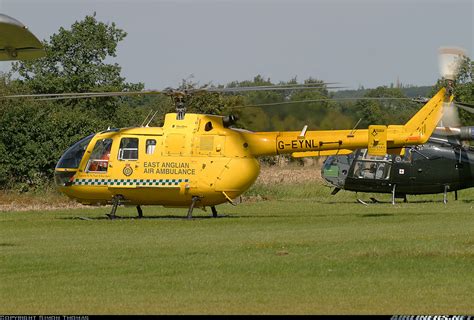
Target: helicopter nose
(63, 178)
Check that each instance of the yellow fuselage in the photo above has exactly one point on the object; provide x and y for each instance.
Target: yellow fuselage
(189, 159)
(199, 157)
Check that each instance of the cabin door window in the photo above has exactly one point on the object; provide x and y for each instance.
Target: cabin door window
(99, 159)
(128, 149)
(379, 170)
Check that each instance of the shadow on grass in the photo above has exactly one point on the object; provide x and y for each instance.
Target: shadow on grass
(167, 217)
(369, 202)
(184, 218)
(7, 244)
(296, 215)
(376, 215)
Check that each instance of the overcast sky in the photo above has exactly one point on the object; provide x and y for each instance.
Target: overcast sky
(367, 43)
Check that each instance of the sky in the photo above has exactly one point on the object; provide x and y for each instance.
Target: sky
(355, 43)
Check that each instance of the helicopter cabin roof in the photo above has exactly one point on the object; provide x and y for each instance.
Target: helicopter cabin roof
(191, 121)
(136, 130)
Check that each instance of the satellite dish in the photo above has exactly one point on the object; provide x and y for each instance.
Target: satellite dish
(17, 42)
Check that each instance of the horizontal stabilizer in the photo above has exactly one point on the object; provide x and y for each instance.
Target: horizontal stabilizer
(337, 152)
(397, 151)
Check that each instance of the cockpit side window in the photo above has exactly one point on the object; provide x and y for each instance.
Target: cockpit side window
(372, 167)
(73, 156)
(331, 160)
(128, 149)
(99, 159)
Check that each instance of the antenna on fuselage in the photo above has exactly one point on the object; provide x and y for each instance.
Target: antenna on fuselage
(351, 134)
(146, 118)
(151, 118)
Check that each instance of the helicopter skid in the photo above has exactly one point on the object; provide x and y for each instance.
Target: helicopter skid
(167, 197)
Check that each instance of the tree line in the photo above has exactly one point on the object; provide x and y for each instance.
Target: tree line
(35, 133)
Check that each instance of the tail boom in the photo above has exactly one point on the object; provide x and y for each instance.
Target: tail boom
(416, 131)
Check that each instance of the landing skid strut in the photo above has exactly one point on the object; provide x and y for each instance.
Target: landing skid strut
(140, 212)
(393, 194)
(193, 203)
(445, 195)
(214, 211)
(115, 204)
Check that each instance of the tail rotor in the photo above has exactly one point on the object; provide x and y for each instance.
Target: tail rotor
(450, 59)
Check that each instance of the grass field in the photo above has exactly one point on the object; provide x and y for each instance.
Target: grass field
(301, 251)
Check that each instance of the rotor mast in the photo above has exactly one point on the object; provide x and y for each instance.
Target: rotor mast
(180, 102)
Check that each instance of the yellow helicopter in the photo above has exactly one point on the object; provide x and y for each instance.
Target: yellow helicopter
(199, 160)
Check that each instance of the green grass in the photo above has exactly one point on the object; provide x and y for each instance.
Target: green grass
(302, 252)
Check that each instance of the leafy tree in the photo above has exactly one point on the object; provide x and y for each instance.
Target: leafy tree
(35, 133)
(75, 62)
(310, 113)
(335, 120)
(384, 111)
(287, 116)
(463, 89)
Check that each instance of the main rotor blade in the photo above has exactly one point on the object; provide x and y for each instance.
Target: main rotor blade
(319, 100)
(80, 97)
(464, 106)
(76, 95)
(308, 86)
(171, 92)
